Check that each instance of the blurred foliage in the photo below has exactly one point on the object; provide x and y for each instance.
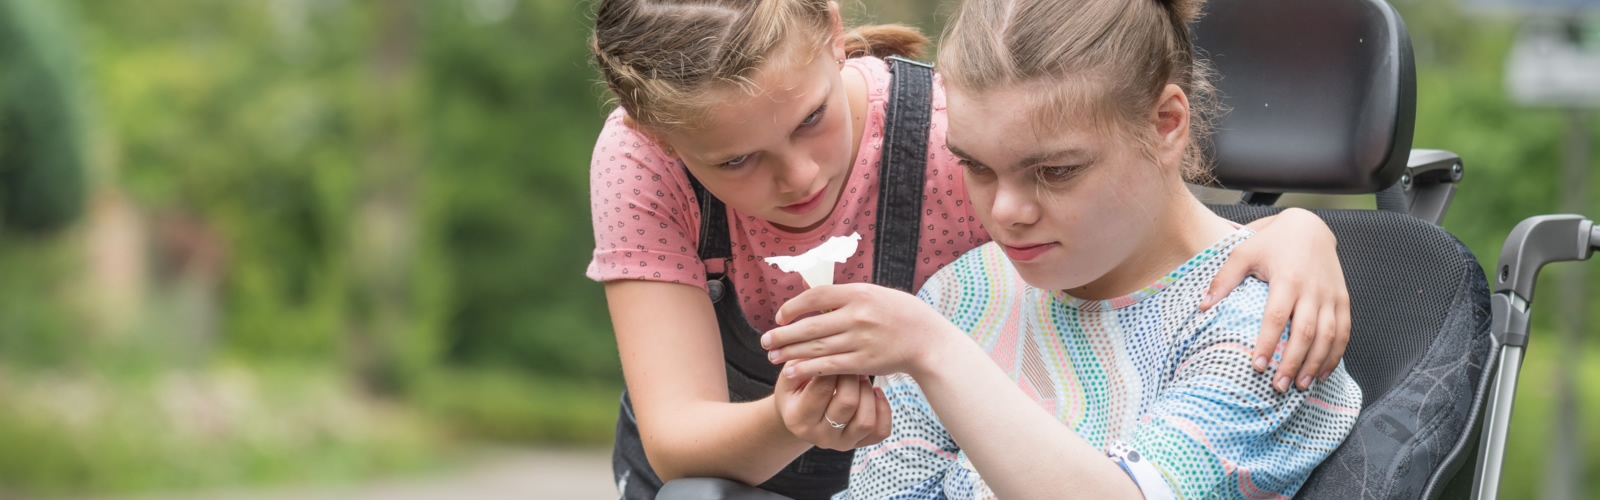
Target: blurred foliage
(505, 405)
(325, 239)
(1533, 421)
(513, 112)
(378, 191)
(192, 430)
(1513, 160)
(41, 152)
(259, 118)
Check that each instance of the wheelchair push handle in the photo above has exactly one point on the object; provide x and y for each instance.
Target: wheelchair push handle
(1540, 240)
(1536, 241)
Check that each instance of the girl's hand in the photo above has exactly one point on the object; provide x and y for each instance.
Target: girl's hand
(868, 329)
(1295, 252)
(837, 412)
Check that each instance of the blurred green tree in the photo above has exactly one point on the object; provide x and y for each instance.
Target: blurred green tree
(41, 133)
(513, 114)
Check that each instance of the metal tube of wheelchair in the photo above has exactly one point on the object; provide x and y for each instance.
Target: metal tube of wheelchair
(1492, 451)
(1535, 242)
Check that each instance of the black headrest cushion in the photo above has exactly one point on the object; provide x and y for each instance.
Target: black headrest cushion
(1322, 94)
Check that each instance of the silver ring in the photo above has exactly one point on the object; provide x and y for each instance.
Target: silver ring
(833, 424)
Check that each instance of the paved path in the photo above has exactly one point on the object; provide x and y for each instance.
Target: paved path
(520, 475)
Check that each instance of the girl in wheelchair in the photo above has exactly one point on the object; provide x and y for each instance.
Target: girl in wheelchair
(1069, 357)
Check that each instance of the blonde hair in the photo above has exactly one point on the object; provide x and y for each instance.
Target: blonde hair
(664, 60)
(1109, 58)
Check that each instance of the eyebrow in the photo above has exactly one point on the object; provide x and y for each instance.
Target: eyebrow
(1064, 155)
(820, 102)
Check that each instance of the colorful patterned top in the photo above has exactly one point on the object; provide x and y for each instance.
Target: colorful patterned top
(1168, 391)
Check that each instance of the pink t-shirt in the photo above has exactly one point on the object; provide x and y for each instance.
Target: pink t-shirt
(647, 219)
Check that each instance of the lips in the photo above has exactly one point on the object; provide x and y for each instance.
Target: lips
(806, 206)
(1024, 253)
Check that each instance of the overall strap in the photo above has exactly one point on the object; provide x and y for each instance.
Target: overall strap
(715, 245)
(903, 176)
(905, 159)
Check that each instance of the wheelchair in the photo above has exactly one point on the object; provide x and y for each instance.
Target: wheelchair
(1322, 99)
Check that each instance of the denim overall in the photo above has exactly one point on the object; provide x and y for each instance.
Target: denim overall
(818, 473)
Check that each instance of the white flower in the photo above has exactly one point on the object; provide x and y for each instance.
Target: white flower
(816, 266)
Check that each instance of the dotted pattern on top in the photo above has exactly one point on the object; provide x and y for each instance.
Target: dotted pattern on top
(1147, 374)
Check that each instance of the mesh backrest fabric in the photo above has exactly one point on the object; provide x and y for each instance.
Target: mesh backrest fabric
(1395, 267)
(1419, 347)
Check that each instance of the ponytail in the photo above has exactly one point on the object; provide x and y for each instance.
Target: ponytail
(884, 40)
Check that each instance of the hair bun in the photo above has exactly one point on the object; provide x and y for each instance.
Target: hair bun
(1184, 10)
(884, 40)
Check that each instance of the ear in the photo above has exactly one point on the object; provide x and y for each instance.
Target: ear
(838, 31)
(661, 142)
(1171, 119)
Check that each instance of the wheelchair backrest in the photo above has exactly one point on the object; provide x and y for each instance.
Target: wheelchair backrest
(1323, 98)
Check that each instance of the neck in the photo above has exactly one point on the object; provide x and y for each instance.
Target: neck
(855, 92)
(1183, 229)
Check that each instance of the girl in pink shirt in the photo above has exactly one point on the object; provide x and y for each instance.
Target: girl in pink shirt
(754, 129)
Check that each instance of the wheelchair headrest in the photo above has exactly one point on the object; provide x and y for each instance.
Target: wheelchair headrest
(1322, 94)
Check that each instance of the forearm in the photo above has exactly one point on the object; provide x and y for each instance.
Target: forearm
(745, 442)
(672, 359)
(1020, 450)
(1297, 217)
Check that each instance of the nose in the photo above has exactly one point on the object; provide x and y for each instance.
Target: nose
(1015, 204)
(795, 172)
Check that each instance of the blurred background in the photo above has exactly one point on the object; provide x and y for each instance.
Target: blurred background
(253, 245)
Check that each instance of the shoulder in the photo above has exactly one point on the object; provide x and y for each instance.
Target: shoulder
(626, 163)
(618, 141)
(644, 212)
(879, 79)
(1238, 316)
(876, 72)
